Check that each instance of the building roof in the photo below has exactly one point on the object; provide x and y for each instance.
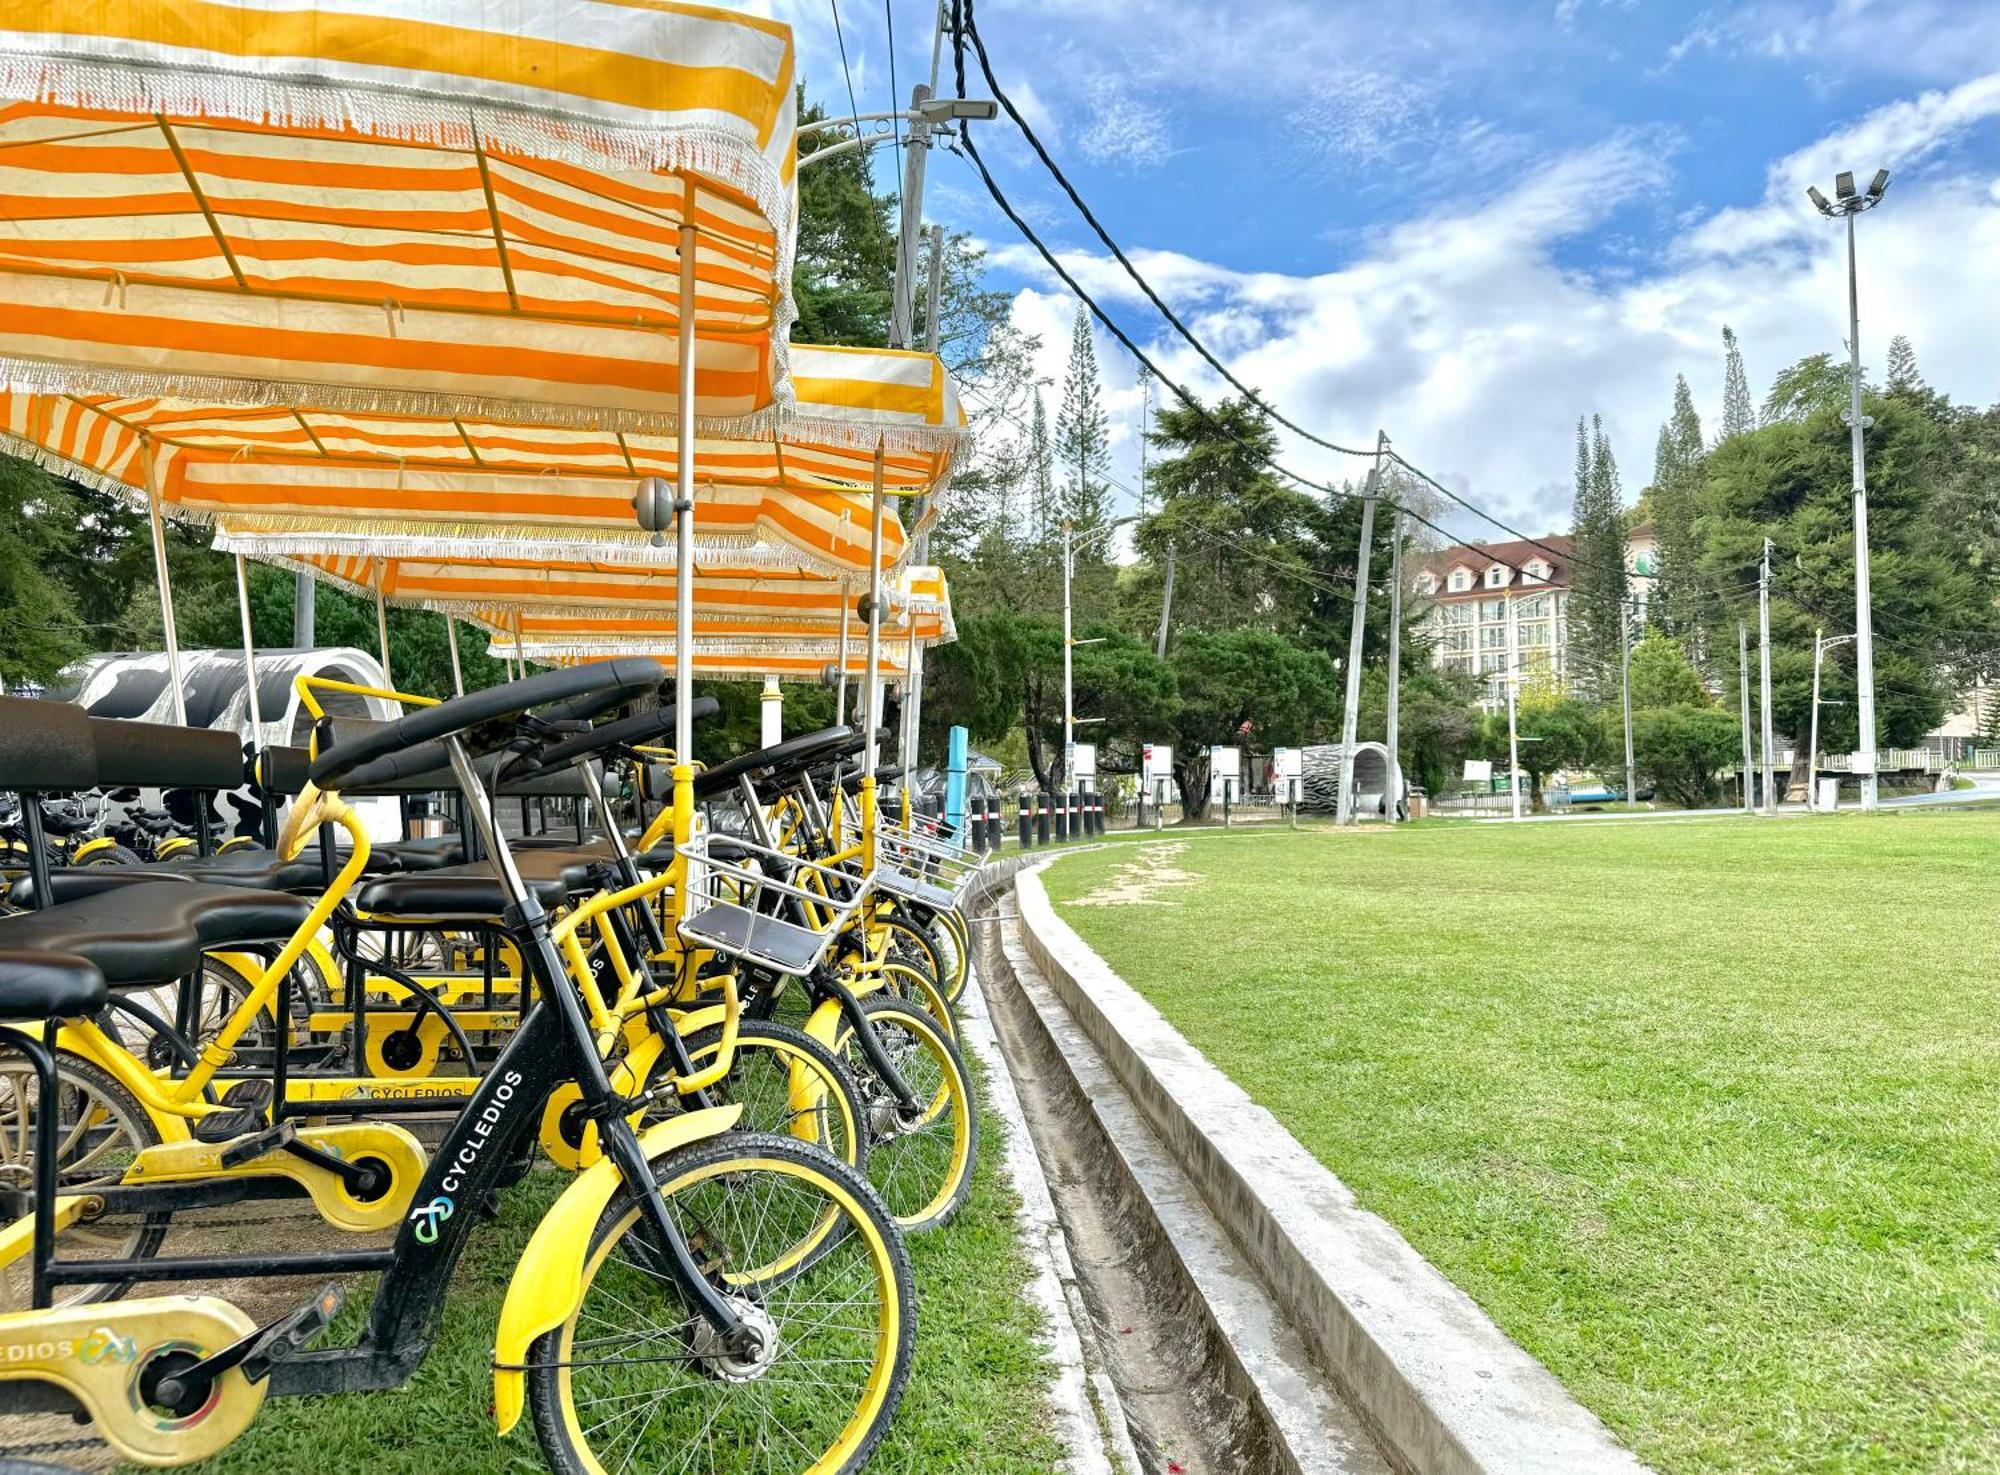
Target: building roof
(1553, 550)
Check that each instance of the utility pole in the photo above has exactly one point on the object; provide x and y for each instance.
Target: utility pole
(1764, 680)
(1166, 607)
(1743, 681)
(1849, 202)
(1513, 691)
(1344, 809)
(1395, 666)
(1069, 707)
(1625, 633)
(1812, 750)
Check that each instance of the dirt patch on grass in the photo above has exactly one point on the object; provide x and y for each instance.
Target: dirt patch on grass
(1152, 877)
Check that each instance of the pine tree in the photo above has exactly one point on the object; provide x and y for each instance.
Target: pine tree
(1903, 373)
(1042, 512)
(1597, 567)
(1739, 410)
(1676, 474)
(1083, 434)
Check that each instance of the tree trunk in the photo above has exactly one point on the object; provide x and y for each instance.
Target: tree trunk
(1192, 776)
(1037, 758)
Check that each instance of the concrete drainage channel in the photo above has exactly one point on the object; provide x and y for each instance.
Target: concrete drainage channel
(1305, 1337)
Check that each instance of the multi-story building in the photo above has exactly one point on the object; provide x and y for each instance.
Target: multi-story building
(1497, 607)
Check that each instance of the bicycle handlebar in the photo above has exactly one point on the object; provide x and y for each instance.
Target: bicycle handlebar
(415, 743)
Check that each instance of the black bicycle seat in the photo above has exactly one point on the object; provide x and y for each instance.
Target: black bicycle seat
(793, 754)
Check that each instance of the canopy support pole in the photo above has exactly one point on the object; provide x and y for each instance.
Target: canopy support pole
(382, 627)
(520, 650)
(451, 643)
(840, 660)
(249, 655)
(684, 546)
(873, 664)
(910, 697)
(166, 587)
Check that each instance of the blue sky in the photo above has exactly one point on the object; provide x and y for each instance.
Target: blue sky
(1468, 223)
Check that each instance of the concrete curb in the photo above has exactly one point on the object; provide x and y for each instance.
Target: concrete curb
(1447, 1390)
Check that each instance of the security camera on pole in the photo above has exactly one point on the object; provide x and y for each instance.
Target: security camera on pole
(1846, 205)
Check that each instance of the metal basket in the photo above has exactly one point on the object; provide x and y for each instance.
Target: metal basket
(918, 863)
(765, 907)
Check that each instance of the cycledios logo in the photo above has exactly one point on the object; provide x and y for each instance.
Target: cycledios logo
(431, 1218)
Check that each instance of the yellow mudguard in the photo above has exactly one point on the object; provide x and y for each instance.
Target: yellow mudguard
(97, 1355)
(548, 1283)
(168, 1162)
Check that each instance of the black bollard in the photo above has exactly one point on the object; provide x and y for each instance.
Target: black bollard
(1062, 816)
(1027, 823)
(1042, 819)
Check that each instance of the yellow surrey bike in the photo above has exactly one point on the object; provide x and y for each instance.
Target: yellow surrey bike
(223, 1129)
(700, 1297)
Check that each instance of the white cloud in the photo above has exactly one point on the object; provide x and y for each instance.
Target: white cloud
(1121, 130)
(1928, 40)
(1465, 335)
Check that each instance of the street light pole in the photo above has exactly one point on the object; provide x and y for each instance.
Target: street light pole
(1764, 680)
(1392, 732)
(1513, 728)
(1849, 203)
(1069, 697)
(1625, 631)
(1743, 682)
(1344, 805)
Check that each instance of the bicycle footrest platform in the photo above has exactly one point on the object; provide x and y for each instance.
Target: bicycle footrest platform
(254, 1091)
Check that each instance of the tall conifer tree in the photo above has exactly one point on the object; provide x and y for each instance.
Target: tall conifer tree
(1597, 567)
(1083, 434)
(1676, 475)
(1739, 409)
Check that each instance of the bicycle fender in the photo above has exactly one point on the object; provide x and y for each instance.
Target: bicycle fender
(548, 1282)
(97, 1353)
(91, 847)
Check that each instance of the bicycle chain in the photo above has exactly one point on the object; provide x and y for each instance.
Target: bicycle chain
(56, 1446)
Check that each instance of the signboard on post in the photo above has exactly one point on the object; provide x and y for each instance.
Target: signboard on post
(1479, 770)
(1083, 761)
(1288, 772)
(1225, 771)
(1156, 763)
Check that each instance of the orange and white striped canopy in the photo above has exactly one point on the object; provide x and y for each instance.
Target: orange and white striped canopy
(464, 208)
(286, 479)
(731, 621)
(724, 665)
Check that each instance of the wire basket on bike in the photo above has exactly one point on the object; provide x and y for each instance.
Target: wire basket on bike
(917, 861)
(763, 906)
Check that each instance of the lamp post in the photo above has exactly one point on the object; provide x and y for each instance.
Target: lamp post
(1846, 204)
(1821, 646)
(1631, 782)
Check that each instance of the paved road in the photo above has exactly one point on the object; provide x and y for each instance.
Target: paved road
(1985, 786)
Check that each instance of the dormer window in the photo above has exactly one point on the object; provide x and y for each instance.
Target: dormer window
(1496, 576)
(1461, 580)
(1427, 583)
(1535, 571)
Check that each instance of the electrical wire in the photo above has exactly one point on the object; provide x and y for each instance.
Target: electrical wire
(853, 107)
(895, 90)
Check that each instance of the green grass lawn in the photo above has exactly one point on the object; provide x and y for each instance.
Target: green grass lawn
(979, 1382)
(1703, 1113)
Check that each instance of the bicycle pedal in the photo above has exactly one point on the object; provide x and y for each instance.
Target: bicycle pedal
(253, 1092)
(257, 1144)
(291, 1333)
(229, 1123)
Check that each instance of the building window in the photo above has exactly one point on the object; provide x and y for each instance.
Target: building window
(1493, 637)
(1461, 580)
(1492, 661)
(1496, 576)
(1454, 642)
(1534, 634)
(1535, 608)
(1536, 571)
(1456, 614)
(1427, 583)
(1492, 609)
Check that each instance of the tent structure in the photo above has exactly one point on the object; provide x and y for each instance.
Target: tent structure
(1377, 780)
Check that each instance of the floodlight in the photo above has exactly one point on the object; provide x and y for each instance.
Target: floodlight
(1843, 184)
(1878, 184)
(1825, 205)
(955, 109)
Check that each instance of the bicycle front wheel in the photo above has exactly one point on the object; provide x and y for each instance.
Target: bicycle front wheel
(637, 1381)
